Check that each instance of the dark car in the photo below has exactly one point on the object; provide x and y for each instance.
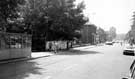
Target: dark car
(130, 51)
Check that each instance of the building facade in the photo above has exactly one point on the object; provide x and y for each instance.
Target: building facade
(88, 34)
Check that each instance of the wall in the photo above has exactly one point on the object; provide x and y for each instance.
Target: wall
(14, 45)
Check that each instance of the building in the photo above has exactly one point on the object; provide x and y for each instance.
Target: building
(88, 34)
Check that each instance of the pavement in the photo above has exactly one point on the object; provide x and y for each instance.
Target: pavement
(35, 55)
(41, 54)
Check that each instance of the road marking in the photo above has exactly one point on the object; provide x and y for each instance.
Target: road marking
(69, 67)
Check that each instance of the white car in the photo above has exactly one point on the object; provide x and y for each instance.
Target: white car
(109, 43)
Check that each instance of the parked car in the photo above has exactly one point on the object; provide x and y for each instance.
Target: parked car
(131, 71)
(130, 51)
(109, 43)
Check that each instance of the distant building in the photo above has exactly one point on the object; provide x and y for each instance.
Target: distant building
(88, 34)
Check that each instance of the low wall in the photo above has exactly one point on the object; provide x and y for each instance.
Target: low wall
(61, 45)
(15, 53)
(14, 45)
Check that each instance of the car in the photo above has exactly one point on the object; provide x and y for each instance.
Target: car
(109, 43)
(129, 51)
(131, 71)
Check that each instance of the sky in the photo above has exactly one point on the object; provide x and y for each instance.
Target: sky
(108, 13)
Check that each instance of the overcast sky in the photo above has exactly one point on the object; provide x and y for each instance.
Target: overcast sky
(108, 13)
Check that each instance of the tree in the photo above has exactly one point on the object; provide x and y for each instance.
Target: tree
(36, 21)
(9, 12)
(111, 34)
(132, 31)
(53, 19)
(66, 20)
(133, 25)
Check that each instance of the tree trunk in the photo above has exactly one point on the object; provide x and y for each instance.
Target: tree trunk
(67, 45)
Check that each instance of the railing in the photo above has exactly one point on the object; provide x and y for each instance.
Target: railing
(14, 45)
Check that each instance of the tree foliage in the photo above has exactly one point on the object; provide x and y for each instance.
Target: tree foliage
(133, 25)
(67, 20)
(54, 19)
(9, 11)
(131, 32)
(111, 34)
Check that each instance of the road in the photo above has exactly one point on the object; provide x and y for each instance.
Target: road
(99, 62)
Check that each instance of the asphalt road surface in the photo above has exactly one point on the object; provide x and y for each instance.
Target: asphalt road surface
(89, 62)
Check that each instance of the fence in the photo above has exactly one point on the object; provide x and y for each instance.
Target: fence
(14, 45)
(61, 45)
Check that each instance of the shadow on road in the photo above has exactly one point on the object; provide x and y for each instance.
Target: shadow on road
(18, 70)
(77, 52)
